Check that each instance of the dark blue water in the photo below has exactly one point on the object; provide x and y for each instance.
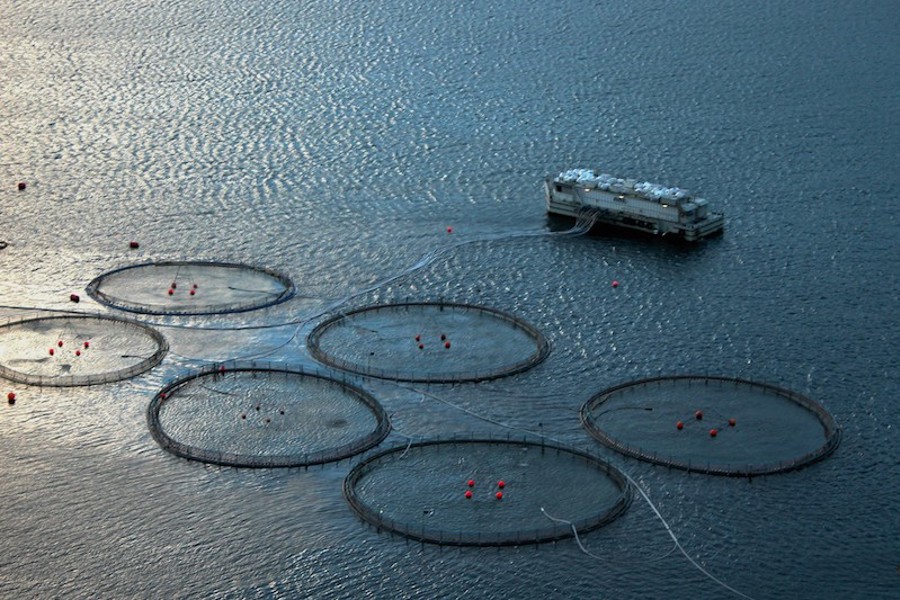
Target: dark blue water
(337, 144)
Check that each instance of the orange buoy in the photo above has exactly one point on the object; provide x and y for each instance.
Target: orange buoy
(699, 415)
(713, 433)
(499, 495)
(133, 245)
(74, 298)
(679, 425)
(22, 185)
(468, 494)
(732, 422)
(501, 484)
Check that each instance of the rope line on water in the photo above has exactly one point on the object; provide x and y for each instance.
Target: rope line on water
(630, 479)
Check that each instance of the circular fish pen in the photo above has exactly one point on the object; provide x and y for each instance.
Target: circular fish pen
(428, 342)
(712, 425)
(254, 416)
(486, 492)
(74, 350)
(190, 288)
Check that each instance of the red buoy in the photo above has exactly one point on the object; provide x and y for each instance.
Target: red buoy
(499, 495)
(447, 345)
(193, 292)
(133, 245)
(732, 422)
(171, 291)
(470, 483)
(449, 230)
(51, 351)
(418, 338)
(11, 397)
(501, 484)
(615, 283)
(468, 494)
(78, 353)
(196, 286)
(713, 433)
(87, 344)
(59, 343)
(22, 185)
(679, 425)
(174, 285)
(74, 298)
(421, 346)
(699, 415)
(443, 337)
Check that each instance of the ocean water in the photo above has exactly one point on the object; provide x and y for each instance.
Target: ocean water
(337, 142)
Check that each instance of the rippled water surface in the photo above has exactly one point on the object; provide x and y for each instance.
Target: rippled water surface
(337, 145)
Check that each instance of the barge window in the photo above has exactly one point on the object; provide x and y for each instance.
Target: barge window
(558, 188)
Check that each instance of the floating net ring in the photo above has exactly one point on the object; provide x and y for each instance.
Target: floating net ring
(74, 350)
(250, 415)
(433, 342)
(486, 492)
(190, 288)
(712, 425)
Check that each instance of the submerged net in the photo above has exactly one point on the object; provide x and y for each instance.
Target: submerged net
(77, 350)
(714, 425)
(428, 342)
(265, 416)
(446, 491)
(190, 288)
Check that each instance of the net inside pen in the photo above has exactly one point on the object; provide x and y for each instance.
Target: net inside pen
(486, 492)
(428, 342)
(190, 288)
(249, 416)
(714, 425)
(77, 350)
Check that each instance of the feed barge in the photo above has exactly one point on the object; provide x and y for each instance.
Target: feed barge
(601, 198)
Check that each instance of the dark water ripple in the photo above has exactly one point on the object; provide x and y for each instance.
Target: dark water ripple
(337, 144)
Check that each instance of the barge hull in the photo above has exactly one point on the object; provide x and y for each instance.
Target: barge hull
(596, 207)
